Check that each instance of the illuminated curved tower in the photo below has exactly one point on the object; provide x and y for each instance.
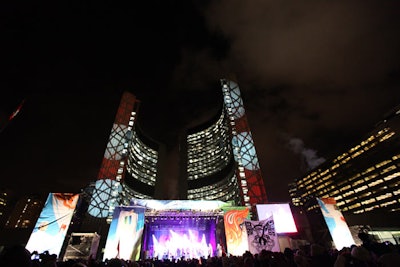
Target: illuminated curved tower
(209, 163)
(129, 166)
(221, 159)
(218, 161)
(248, 170)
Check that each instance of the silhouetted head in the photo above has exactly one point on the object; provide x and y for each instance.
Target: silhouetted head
(116, 263)
(15, 256)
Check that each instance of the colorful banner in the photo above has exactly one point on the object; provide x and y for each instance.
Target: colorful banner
(235, 231)
(262, 235)
(282, 214)
(51, 227)
(336, 223)
(125, 234)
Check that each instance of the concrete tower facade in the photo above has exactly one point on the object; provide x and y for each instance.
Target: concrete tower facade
(217, 162)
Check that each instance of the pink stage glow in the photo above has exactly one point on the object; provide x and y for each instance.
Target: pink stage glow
(176, 245)
(282, 216)
(180, 237)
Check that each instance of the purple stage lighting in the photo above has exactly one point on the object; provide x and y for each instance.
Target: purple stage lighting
(173, 237)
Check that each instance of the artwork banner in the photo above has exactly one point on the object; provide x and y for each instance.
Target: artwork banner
(336, 223)
(235, 231)
(262, 235)
(125, 234)
(53, 223)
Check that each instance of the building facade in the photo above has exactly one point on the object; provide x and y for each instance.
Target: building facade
(5, 209)
(364, 180)
(217, 162)
(25, 212)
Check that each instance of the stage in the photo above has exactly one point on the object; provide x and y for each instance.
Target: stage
(181, 234)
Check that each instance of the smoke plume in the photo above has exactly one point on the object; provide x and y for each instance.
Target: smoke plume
(309, 155)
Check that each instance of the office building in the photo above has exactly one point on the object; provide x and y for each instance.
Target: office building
(364, 179)
(25, 212)
(5, 199)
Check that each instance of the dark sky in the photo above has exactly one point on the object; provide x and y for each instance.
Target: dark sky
(314, 76)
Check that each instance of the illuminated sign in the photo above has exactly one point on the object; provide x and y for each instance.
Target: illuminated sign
(283, 218)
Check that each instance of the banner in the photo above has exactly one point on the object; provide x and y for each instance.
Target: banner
(125, 234)
(336, 223)
(262, 235)
(235, 231)
(51, 227)
(282, 214)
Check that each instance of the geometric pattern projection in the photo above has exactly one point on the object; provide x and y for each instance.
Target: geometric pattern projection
(256, 188)
(113, 153)
(108, 169)
(244, 153)
(103, 197)
(247, 150)
(116, 142)
(234, 102)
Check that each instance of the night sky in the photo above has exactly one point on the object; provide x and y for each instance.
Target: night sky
(314, 75)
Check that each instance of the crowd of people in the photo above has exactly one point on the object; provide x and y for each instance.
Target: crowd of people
(369, 254)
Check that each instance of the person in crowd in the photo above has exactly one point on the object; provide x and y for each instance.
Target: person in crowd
(14, 256)
(386, 254)
(289, 257)
(360, 256)
(302, 259)
(319, 256)
(372, 255)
